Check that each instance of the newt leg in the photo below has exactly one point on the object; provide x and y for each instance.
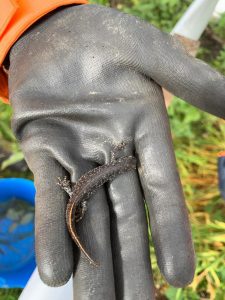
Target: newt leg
(65, 184)
(81, 211)
(116, 149)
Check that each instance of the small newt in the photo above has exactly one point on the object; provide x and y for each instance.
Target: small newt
(86, 186)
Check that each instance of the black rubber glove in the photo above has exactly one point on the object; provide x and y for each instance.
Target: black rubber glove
(85, 79)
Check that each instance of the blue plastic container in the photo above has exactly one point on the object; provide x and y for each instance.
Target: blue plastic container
(17, 256)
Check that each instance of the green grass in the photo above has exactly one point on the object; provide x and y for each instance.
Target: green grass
(10, 294)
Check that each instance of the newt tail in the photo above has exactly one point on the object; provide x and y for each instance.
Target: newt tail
(86, 186)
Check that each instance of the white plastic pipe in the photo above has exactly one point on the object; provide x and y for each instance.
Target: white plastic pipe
(36, 290)
(220, 8)
(194, 21)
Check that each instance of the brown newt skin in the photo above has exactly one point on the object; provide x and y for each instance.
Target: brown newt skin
(86, 186)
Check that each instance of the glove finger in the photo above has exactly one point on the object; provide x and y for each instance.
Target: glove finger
(129, 235)
(54, 247)
(183, 75)
(91, 282)
(163, 193)
(54, 253)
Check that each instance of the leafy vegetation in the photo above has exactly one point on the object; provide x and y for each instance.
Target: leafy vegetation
(10, 294)
(164, 13)
(8, 143)
(10, 153)
(197, 138)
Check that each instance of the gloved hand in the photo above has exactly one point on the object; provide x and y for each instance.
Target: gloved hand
(82, 80)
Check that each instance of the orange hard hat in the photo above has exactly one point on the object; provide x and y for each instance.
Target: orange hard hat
(15, 17)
